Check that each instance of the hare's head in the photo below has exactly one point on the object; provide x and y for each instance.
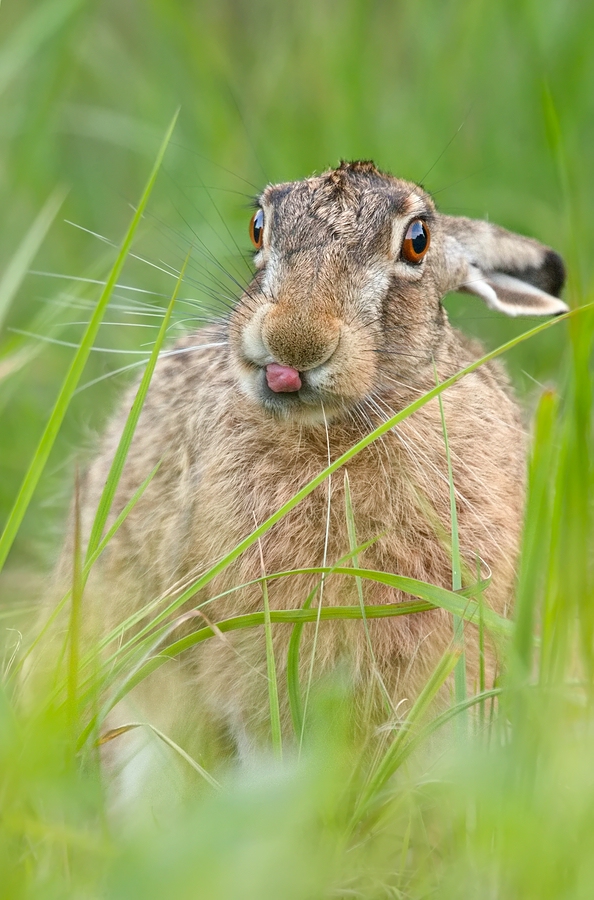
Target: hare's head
(351, 269)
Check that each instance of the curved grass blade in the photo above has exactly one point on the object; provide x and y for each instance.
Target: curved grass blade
(251, 620)
(142, 646)
(275, 722)
(430, 595)
(436, 596)
(131, 726)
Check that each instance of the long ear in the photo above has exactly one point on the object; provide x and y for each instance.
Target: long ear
(511, 273)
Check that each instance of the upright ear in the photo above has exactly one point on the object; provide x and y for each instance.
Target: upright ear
(513, 274)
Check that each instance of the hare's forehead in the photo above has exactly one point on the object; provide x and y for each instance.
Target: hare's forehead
(314, 208)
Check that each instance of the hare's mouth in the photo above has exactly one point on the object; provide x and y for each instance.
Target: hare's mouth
(289, 394)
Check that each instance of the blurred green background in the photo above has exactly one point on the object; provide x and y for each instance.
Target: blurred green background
(489, 105)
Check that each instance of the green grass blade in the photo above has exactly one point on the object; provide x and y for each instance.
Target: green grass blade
(536, 537)
(132, 726)
(118, 462)
(293, 655)
(352, 533)
(21, 261)
(75, 611)
(75, 370)
(460, 671)
(431, 595)
(275, 722)
(128, 652)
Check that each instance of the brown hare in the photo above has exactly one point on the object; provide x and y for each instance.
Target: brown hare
(341, 326)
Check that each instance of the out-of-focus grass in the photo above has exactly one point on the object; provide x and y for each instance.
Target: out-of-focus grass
(490, 105)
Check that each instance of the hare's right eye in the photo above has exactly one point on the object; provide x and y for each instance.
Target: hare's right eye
(257, 229)
(416, 241)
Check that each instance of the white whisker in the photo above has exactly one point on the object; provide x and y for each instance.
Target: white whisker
(49, 340)
(142, 362)
(79, 278)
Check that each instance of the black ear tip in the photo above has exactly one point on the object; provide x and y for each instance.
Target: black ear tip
(554, 269)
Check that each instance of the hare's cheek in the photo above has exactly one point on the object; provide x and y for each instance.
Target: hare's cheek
(351, 372)
(245, 334)
(252, 346)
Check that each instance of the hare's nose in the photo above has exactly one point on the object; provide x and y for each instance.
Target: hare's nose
(282, 379)
(299, 341)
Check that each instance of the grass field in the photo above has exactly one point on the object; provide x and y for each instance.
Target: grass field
(491, 107)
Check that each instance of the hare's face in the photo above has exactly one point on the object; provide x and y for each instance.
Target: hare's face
(351, 269)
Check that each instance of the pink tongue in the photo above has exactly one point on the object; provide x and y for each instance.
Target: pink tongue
(282, 379)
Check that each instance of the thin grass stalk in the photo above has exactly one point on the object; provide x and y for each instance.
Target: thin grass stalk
(481, 647)
(75, 610)
(460, 670)
(352, 534)
(536, 538)
(275, 722)
(579, 533)
(293, 656)
(567, 614)
(115, 733)
(293, 683)
(321, 597)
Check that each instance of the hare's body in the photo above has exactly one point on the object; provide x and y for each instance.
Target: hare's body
(337, 331)
(225, 467)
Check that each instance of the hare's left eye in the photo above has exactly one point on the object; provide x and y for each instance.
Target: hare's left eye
(416, 241)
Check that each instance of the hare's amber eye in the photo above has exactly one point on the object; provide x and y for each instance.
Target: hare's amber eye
(257, 229)
(416, 241)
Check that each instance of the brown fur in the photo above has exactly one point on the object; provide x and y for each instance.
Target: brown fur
(333, 298)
